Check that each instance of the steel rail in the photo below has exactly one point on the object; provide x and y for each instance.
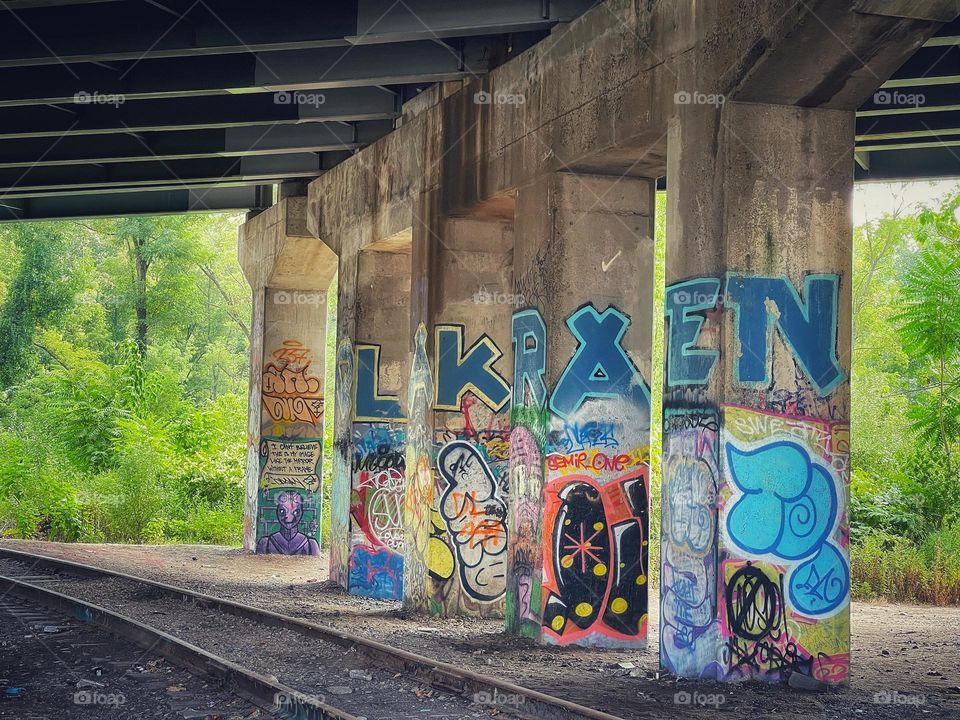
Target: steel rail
(266, 691)
(458, 680)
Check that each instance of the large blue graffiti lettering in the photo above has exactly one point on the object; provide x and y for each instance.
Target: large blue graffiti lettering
(530, 359)
(808, 328)
(370, 405)
(788, 509)
(459, 372)
(685, 364)
(600, 368)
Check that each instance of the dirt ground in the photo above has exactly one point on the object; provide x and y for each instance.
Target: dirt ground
(906, 658)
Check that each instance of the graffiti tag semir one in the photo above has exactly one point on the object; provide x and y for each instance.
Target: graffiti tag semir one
(589, 437)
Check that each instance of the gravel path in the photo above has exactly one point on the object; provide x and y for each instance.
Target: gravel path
(910, 650)
(59, 668)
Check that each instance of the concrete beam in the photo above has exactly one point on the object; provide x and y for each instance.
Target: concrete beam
(190, 144)
(288, 70)
(173, 201)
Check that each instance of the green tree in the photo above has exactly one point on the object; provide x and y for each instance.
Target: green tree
(37, 295)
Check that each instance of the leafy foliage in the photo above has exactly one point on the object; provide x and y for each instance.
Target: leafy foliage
(123, 360)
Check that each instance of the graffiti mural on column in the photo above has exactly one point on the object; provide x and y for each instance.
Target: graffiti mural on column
(688, 585)
(288, 518)
(467, 556)
(756, 504)
(342, 475)
(528, 437)
(786, 545)
(418, 495)
(378, 484)
(595, 515)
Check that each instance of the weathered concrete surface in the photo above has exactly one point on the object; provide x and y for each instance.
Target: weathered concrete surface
(289, 272)
(756, 425)
(378, 442)
(581, 410)
(747, 107)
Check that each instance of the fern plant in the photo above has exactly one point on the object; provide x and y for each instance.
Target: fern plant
(929, 327)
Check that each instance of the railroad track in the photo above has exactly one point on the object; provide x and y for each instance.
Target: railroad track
(54, 665)
(327, 673)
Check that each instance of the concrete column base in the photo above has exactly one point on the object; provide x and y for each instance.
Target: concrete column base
(755, 561)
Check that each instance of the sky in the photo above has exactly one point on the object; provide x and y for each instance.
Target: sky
(873, 200)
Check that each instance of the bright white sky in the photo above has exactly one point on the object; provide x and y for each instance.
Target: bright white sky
(873, 200)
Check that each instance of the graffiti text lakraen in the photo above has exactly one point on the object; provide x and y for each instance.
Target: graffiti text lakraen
(600, 368)
(761, 305)
(459, 372)
(370, 405)
(530, 359)
(689, 366)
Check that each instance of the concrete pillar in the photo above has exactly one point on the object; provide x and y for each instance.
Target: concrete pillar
(466, 272)
(755, 564)
(381, 359)
(579, 465)
(289, 273)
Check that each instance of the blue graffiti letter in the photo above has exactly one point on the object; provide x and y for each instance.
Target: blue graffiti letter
(600, 368)
(530, 359)
(685, 365)
(370, 405)
(809, 329)
(459, 372)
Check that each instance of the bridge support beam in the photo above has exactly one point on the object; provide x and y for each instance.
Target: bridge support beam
(378, 435)
(580, 437)
(755, 579)
(289, 272)
(457, 529)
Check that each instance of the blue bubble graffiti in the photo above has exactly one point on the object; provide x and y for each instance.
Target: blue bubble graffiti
(600, 368)
(685, 364)
(530, 359)
(787, 509)
(370, 405)
(808, 328)
(459, 372)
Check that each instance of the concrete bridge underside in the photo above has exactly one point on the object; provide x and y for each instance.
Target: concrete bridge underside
(494, 256)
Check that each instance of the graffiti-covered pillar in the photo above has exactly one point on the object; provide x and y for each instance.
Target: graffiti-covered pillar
(381, 355)
(289, 272)
(472, 360)
(755, 562)
(579, 465)
(465, 346)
